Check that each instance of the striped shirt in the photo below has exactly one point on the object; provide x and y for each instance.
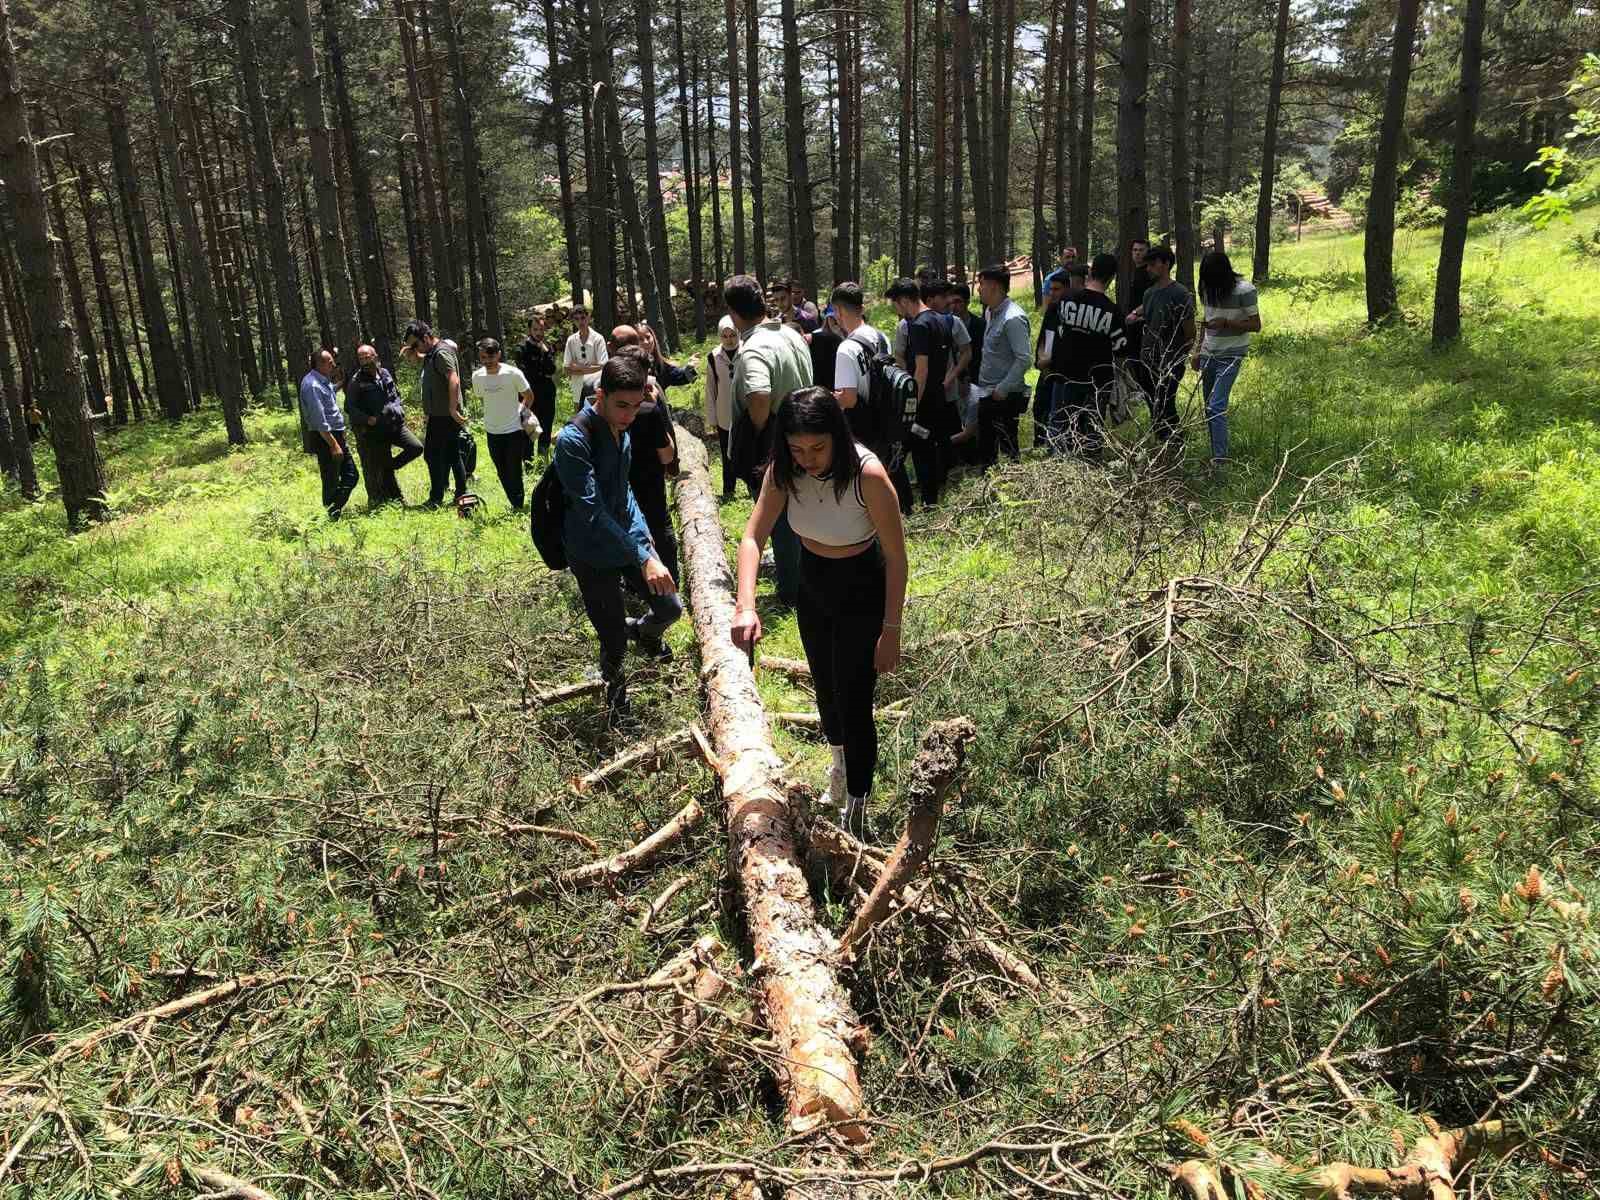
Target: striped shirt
(1239, 306)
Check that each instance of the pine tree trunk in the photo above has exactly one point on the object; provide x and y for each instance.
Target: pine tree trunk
(735, 164)
(129, 295)
(80, 306)
(938, 248)
(171, 387)
(457, 252)
(111, 336)
(1452, 247)
(843, 183)
(341, 300)
(1133, 217)
(805, 245)
(633, 220)
(59, 393)
(416, 241)
(1041, 158)
(292, 326)
(1083, 168)
(308, 238)
(375, 313)
(655, 203)
(201, 374)
(1265, 201)
(556, 76)
(1379, 249)
(967, 69)
(224, 274)
(216, 342)
(1004, 95)
(480, 236)
(1230, 110)
(14, 426)
(1066, 147)
(446, 290)
(690, 153)
(1182, 202)
(958, 216)
(908, 24)
(602, 243)
(715, 173)
(1202, 122)
(752, 100)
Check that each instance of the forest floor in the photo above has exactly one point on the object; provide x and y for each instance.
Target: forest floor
(1285, 791)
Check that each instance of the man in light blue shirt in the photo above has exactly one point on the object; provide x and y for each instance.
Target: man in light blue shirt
(1007, 353)
(325, 425)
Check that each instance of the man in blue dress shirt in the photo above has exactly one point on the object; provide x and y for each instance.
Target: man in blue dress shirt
(319, 408)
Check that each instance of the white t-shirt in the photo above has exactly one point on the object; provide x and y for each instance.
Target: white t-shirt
(850, 360)
(584, 353)
(500, 392)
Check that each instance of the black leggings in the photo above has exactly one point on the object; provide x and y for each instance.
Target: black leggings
(840, 614)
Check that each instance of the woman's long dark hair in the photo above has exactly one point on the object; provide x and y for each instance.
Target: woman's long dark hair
(814, 410)
(1217, 279)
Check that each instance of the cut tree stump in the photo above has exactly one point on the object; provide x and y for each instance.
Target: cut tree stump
(816, 1031)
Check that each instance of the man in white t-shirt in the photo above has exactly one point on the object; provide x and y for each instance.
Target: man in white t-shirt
(584, 356)
(508, 418)
(852, 382)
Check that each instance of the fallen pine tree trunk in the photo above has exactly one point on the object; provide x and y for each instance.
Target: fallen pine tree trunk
(816, 1031)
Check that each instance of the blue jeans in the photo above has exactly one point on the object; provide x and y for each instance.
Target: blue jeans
(1217, 374)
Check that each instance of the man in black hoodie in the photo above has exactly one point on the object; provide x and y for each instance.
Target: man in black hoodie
(1084, 339)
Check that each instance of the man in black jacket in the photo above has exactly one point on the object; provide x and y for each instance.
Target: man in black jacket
(378, 417)
(537, 360)
(1081, 345)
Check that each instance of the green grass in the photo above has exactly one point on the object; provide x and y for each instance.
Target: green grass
(235, 737)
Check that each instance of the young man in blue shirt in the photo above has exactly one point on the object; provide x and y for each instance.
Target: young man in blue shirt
(607, 540)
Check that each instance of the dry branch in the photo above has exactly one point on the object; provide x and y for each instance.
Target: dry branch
(654, 748)
(813, 1024)
(849, 861)
(1428, 1172)
(944, 749)
(220, 1185)
(657, 906)
(798, 668)
(710, 985)
(535, 700)
(607, 871)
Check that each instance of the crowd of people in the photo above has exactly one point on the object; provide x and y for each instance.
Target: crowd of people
(823, 419)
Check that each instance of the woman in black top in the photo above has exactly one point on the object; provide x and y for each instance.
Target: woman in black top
(538, 362)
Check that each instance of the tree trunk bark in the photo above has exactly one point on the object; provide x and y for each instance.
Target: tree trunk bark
(752, 100)
(217, 341)
(129, 294)
(375, 314)
(715, 174)
(1452, 247)
(1379, 249)
(80, 305)
(456, 253)
(292, 330)
(171, 386)
(1182, 202)
(606, 93)
(938, 245)
(799, 163)
(655, 202)
(1230, 110)
(446, 291)
(967, 68)
(1265, 201)
(735, 165)
(958, 216)
(807, 1011)
(1066, 147)
(225, 275)
(689, 152)
(416, 240)
(843, 184)
(1041, 158)
(80, 473)
(341, 300)
(117, 375)
(14, 426)
(308, 235)
(480, 237)
(1005, 94)
(555, 76)
(1133, 216)
(201, 373)
(602, 263)
(1083, 168)
(904, 263)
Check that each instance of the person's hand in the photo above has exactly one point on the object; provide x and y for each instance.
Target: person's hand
(1136, 315)
(460, 418)
(747, 630)
(372, 420)
(336, 450)
(658, 579)
(887, 655)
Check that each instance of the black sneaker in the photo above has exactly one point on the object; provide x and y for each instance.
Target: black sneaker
(650, 647)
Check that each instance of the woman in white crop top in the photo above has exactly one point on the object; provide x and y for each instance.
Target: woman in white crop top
(837, 497)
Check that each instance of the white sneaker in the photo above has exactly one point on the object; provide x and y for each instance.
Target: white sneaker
(838, 786)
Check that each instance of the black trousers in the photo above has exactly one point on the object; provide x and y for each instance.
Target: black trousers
(339, 474)
(508, 452)
(730, 477)
(601, 588)
(927, 455)
(1161, 389)
(376, 443)
(441, 450)
(1045, 394)
(840, 615)
(998, 426)
(1075, 426)
(544, 407)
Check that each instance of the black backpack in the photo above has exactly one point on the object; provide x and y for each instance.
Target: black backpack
(547, 509)
(891, 393)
